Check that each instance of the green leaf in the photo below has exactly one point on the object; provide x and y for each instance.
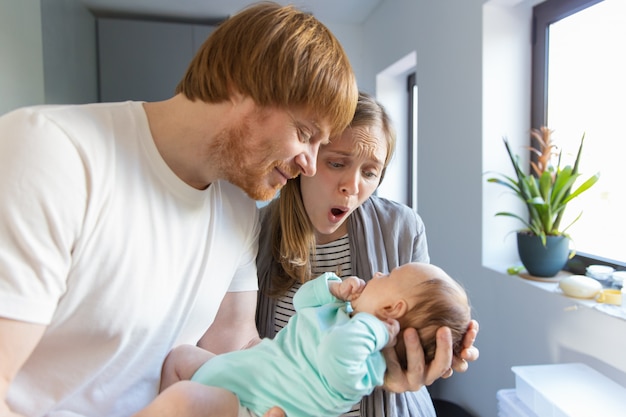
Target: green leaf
(583, 187)
(545, 197)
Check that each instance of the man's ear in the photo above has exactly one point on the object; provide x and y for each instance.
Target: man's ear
(395, 310)
(235, 96)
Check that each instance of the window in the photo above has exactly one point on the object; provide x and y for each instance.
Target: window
(579, 87)
(412, 139)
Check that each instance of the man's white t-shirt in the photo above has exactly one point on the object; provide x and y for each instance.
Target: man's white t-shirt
(105, 245)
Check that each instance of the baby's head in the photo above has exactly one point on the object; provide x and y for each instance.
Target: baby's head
(421, 296)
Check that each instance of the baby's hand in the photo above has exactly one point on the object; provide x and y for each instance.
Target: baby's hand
(393, 327)
(348, 289)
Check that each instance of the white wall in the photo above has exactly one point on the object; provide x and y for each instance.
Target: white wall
(473, 77)
(349, 35)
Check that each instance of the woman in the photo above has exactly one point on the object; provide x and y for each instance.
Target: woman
(332, 222)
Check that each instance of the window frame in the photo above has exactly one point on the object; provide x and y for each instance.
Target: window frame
(411, 87)
(544, 14)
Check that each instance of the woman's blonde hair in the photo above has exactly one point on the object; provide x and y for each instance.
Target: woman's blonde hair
(280, 57)
(293, 234)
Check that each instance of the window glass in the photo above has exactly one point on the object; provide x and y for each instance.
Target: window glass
(585, 93)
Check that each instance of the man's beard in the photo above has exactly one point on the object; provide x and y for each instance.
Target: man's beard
(239, 161)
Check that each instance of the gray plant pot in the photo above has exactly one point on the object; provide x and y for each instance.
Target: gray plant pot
(539, 260)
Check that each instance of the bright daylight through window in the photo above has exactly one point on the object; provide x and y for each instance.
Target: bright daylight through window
(586, 94)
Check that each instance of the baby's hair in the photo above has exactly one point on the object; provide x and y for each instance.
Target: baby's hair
(438, 303)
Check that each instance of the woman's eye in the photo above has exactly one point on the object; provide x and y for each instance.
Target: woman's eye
(370, 174)
(335, 164)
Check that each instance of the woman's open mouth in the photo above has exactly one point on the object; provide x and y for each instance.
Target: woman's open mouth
(337, 213)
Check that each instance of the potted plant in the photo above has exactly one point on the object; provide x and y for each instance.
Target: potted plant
(543, 245)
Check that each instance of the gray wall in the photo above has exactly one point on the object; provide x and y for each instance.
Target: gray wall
(21, 54)
(47, 53)
(145, 60)
(70, 63)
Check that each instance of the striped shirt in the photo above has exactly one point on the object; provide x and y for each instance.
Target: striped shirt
(330, 257)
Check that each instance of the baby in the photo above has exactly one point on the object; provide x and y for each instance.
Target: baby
(329, 354)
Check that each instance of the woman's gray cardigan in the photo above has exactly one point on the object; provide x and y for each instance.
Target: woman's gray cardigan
(383, 235)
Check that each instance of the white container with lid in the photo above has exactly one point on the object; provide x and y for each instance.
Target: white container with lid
(619, 277)
(600, 272)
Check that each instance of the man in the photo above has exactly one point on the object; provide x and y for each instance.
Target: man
(125, 227)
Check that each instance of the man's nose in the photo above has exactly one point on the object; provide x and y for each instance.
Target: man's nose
(307, 161)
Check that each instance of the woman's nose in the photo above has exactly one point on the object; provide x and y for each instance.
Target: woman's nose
(350, 184)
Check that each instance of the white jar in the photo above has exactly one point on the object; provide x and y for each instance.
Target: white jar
(619, 278)
(601, 273)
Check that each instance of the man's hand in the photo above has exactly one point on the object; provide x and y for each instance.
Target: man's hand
(418, 374)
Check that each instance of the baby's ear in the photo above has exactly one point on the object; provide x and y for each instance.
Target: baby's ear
(396, 310)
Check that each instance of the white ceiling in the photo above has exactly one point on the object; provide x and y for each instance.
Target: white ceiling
(337, 11)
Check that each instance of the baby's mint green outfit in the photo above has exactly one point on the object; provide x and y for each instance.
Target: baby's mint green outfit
(320, 364)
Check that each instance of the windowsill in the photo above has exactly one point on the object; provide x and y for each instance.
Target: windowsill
(551, 285)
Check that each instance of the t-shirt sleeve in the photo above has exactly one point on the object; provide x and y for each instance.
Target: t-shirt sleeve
(43, 187)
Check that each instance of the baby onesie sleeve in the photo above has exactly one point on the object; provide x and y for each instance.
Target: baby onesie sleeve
(350, 355)
(315, 293)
